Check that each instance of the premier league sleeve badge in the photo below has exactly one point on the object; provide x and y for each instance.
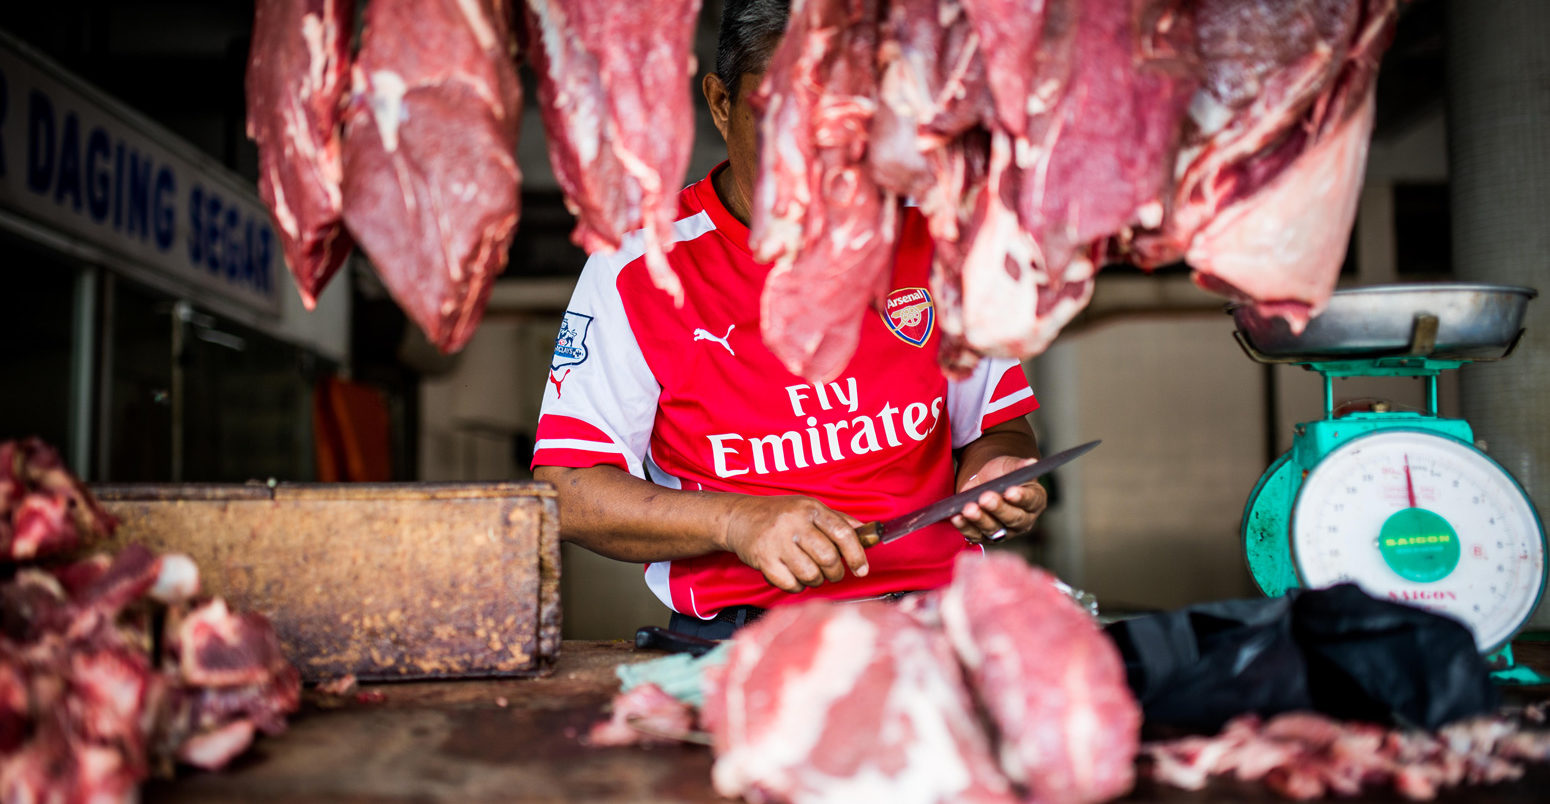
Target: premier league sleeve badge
(570, 346)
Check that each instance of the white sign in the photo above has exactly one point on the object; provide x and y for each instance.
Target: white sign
(90, 168)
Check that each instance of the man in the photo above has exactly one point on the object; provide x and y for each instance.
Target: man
(677, 440)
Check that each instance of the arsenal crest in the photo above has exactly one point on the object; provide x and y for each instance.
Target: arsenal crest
(909, 314)
(570, 347)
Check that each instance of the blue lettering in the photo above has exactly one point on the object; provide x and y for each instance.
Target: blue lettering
(99, 179)
(166, 214)
(231, 256)
(249, 259)
(212, 234)
(139, 215)
(118, 186)
(265, 251)
(68, 184)
(196, 202)
(40, 142)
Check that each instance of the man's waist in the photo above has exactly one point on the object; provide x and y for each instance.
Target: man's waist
(742, 615)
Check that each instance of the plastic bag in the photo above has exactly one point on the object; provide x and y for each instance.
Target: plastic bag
(1337, 651)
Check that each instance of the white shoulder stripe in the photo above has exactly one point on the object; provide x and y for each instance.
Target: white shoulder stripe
(633, 245)
(1008, 400)
(576, 443)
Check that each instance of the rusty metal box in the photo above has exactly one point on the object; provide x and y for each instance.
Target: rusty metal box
(385, 581)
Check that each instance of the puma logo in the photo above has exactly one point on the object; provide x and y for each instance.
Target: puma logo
(702, 335)
(557, 381)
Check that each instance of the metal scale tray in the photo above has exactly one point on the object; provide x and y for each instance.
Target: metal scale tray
(1443, 320)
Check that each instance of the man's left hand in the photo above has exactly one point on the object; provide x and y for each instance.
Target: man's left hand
(994, 517)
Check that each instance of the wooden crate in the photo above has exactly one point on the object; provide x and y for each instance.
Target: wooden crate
(385, 581)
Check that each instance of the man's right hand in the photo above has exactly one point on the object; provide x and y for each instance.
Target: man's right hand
(795, 541)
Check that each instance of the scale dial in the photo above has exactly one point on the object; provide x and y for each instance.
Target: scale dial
(1427, 520)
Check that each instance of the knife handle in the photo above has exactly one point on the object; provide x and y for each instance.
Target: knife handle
(871, 534)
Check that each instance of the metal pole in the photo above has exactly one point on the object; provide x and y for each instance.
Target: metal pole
(107, 351)
(1498, 95)
(83, 362)
(180, 314)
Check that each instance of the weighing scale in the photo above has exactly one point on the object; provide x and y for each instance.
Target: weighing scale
(1402, 503)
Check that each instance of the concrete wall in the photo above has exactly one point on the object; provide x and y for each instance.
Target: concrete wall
(1154, 515)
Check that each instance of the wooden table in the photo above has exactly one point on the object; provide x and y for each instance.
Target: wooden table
(517, 740)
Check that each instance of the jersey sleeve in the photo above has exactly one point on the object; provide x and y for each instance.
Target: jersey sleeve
(996, 392)
(600, 399)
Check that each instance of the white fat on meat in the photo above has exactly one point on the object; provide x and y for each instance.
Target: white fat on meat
(387, 106)
(1000, 247)
(177, 579)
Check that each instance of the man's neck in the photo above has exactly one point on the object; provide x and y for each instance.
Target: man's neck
(731, 196)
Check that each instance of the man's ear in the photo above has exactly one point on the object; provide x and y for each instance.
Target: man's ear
(719, 100)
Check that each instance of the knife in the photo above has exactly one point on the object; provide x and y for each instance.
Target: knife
(875, 533)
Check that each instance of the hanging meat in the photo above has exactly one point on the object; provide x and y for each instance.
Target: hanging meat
(846, 702)
(1276, 143)
(818, 214)
(613, 87)
(1042, 139)
(296, 77)
(1039, 138)
(430, 169)
(931, 91)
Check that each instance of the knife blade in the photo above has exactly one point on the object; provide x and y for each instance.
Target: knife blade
(887, 530)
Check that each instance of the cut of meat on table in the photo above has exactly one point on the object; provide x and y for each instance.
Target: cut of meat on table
(614, 90)
(1306, 756)
(1271, 169)
(818, 213)
(430, 172)
(1050, 681)
(232, 679)
(296, 81)
(642, 716)
(846, 702)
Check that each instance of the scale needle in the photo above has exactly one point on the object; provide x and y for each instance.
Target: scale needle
(1409, 484)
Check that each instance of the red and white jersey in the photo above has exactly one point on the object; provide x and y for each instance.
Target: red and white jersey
(690, 398)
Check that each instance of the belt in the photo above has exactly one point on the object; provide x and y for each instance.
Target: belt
(743, 615)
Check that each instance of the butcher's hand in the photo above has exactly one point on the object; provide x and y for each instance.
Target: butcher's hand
(796, 542)
(993, 516)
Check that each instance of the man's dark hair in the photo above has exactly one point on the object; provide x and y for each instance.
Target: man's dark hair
(750, 30)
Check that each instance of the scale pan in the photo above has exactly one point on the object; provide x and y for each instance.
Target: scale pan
(1473, 322)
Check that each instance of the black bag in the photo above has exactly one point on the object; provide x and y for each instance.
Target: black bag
(1337, 651)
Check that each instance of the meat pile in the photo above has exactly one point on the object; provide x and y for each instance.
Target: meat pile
(43, 508)
(1305, 756)
(112, 668)
(414, 157)
(867, 701)
(1044, 139)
